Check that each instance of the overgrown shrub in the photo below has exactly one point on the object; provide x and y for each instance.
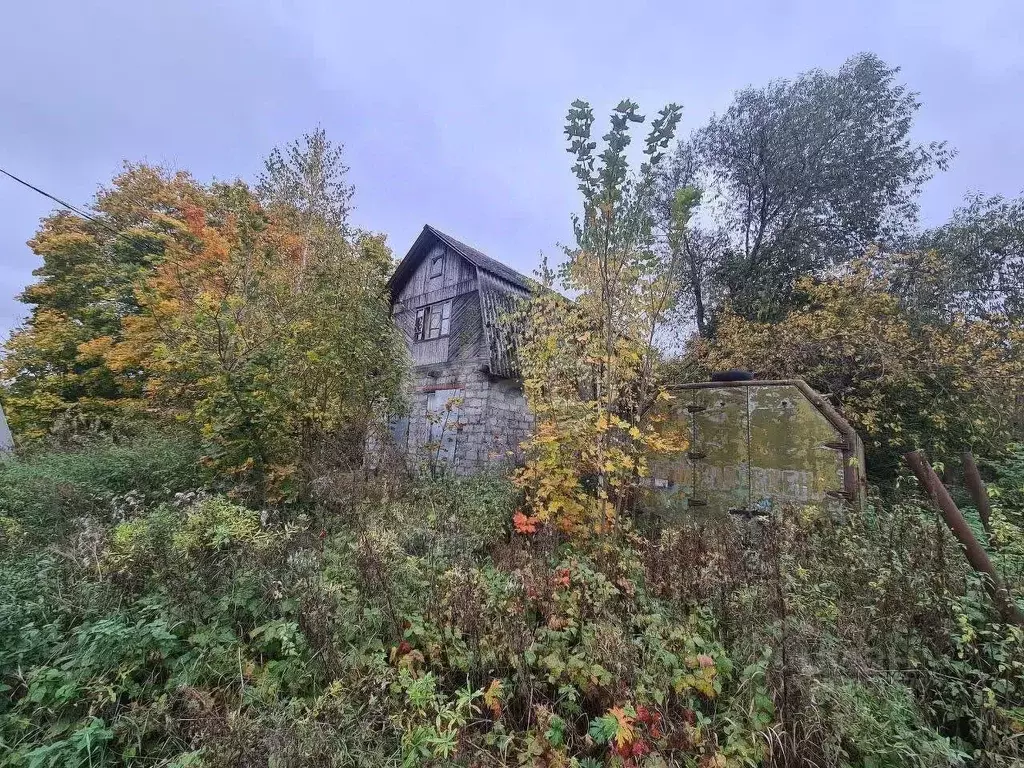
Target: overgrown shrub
(1007, 493)
(100, 669)
(46, 490)
(879, 724)
(421, 628)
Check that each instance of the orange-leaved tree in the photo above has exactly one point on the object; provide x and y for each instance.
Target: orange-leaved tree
(210, 330)
(590, 365)
(57, 381)
(267, 328)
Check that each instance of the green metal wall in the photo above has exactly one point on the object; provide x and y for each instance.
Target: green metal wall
(757, 445)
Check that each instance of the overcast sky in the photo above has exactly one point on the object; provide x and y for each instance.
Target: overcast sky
(451, 113)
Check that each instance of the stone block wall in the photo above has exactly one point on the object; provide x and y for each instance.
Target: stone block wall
(483, 431)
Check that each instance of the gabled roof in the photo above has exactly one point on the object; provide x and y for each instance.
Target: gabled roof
(408, 265)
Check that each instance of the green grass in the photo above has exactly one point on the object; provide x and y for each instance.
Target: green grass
(47, 490)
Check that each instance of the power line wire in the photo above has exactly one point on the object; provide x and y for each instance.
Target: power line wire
(60, 202)
(34, 188)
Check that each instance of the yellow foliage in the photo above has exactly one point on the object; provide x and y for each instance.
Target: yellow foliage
(591, 441)
(493, 697)
(625, 733)
(904, 382)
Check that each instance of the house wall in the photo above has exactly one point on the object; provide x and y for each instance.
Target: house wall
(466, 341)
(498, 296)
(457, 282)
(483, 430)
(491, 419)
(508, 422)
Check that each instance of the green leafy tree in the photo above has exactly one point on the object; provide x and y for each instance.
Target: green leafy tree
(308, 178)
(344, 355)
(56, 378)
(799, 175)
(590, 366)
(973, 265)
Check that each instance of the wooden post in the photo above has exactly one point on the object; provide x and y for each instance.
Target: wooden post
(979, 493)
(975, 553)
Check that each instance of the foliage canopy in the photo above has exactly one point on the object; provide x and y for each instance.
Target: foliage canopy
(798, 176)
(590, 365)
(902, 382)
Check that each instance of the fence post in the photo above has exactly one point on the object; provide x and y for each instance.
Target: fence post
(979, 493)
(976, 554)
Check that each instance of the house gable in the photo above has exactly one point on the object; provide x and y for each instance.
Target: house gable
(440, 274)
(429, 238)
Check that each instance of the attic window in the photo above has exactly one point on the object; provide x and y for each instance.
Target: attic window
(437, 265)
(433, 321)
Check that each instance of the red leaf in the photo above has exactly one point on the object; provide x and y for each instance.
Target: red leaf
(524, 524)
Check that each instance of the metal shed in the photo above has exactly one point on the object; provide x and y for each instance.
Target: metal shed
(754, 445)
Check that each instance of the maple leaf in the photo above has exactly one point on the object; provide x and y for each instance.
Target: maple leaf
(624, 733)
(524, 524)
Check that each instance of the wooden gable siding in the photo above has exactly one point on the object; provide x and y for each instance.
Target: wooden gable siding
(430, 351)
(498, 297)
(456, 271)
(466, 341)
(458, 283)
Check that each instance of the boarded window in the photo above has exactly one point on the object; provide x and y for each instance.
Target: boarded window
(443, 424)
(433, 321)
(437, 266)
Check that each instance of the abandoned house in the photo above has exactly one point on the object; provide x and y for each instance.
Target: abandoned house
(467, 408)
(752, 443)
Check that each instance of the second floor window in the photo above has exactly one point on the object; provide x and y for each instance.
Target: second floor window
(436, 266)
(433, 321)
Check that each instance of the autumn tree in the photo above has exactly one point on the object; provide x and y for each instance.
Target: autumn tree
(589, 365)
(267, 328)
(57, 380)
(206, 335)
(798, 176)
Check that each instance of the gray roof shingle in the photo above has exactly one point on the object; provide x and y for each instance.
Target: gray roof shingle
(480, 260)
